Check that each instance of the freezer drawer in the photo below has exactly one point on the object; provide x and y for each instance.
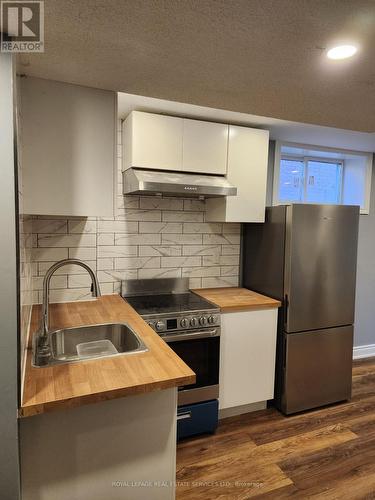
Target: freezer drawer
(317, 368)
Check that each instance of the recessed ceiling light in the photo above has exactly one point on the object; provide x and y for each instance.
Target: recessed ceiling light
(342, 52)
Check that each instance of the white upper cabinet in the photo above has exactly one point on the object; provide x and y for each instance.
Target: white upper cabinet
(67, 139)
(205, 147)
(247, 171)
(152, 141)
(171, 143)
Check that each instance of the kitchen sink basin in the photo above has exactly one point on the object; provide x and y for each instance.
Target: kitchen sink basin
(63, 343)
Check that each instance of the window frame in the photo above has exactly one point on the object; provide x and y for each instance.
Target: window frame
(341, 159)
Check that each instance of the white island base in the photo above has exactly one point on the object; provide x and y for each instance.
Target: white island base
(120, 449)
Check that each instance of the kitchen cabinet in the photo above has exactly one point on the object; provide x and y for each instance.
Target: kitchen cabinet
(152, 141)
(81, 453)
(67, 141)
(170, 143)
(205, 147)
(247, 170)
(247, 357)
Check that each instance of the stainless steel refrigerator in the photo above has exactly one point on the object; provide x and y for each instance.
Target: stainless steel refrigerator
(306, 256)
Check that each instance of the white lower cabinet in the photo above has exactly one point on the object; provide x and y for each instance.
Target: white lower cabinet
(247, 357)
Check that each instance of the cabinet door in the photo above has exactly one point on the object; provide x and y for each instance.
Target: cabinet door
(247, 357)
(247, 171)
(68, 148)
(152, 141)
(205, 147)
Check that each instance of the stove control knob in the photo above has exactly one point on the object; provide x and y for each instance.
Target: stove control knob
(150, 323)
(160, 326)
(203, 320)
(193, 322)
(184, 322)
(211, 320)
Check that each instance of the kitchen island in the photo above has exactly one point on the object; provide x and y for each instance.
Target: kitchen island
(82, 437)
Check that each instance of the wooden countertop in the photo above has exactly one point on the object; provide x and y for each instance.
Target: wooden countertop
(236, 299)
(75, 384)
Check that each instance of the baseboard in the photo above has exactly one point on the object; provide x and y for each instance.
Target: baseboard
(364, 351)
(240, 410)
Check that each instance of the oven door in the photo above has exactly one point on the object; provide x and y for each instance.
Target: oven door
(201, 352)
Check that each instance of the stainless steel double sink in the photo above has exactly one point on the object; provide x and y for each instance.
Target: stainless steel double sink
(63, 343)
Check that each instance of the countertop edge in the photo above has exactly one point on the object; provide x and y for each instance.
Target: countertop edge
(87, 399)
(240, 308)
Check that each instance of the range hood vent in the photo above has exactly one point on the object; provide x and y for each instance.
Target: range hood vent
(140, 181)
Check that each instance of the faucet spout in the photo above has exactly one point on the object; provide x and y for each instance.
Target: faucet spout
(44, 327)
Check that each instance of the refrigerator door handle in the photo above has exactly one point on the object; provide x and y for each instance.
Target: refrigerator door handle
(286, 308)
(284, 352)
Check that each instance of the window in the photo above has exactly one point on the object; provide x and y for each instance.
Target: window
(312, 175)
(311, 181)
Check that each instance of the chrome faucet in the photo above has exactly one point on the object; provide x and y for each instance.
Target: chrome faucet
(43, 348)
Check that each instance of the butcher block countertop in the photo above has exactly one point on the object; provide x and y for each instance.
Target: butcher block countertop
(236, 299)
(75, 384)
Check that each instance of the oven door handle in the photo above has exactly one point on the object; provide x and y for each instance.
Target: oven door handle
(190, 336)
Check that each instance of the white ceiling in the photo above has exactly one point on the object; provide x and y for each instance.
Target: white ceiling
(264, 57)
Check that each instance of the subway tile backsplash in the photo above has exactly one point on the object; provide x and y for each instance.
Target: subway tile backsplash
(27, 295)
(150, 237)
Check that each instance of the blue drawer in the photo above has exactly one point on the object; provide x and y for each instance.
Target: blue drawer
(198, 418)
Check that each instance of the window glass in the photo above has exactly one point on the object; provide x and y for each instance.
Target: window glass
(323, 182)
(291, 186)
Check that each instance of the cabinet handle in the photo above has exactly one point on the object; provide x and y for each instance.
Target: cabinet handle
(184, 416)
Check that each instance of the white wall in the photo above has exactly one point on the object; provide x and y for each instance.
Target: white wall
(355, 182)
(364, 332)
(9, 470)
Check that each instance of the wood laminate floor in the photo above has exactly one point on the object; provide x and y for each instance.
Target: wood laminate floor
(327, 453)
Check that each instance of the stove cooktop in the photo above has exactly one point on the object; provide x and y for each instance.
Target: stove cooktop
(171, 303)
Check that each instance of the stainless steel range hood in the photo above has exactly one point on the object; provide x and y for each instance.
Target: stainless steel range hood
(140, 181)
